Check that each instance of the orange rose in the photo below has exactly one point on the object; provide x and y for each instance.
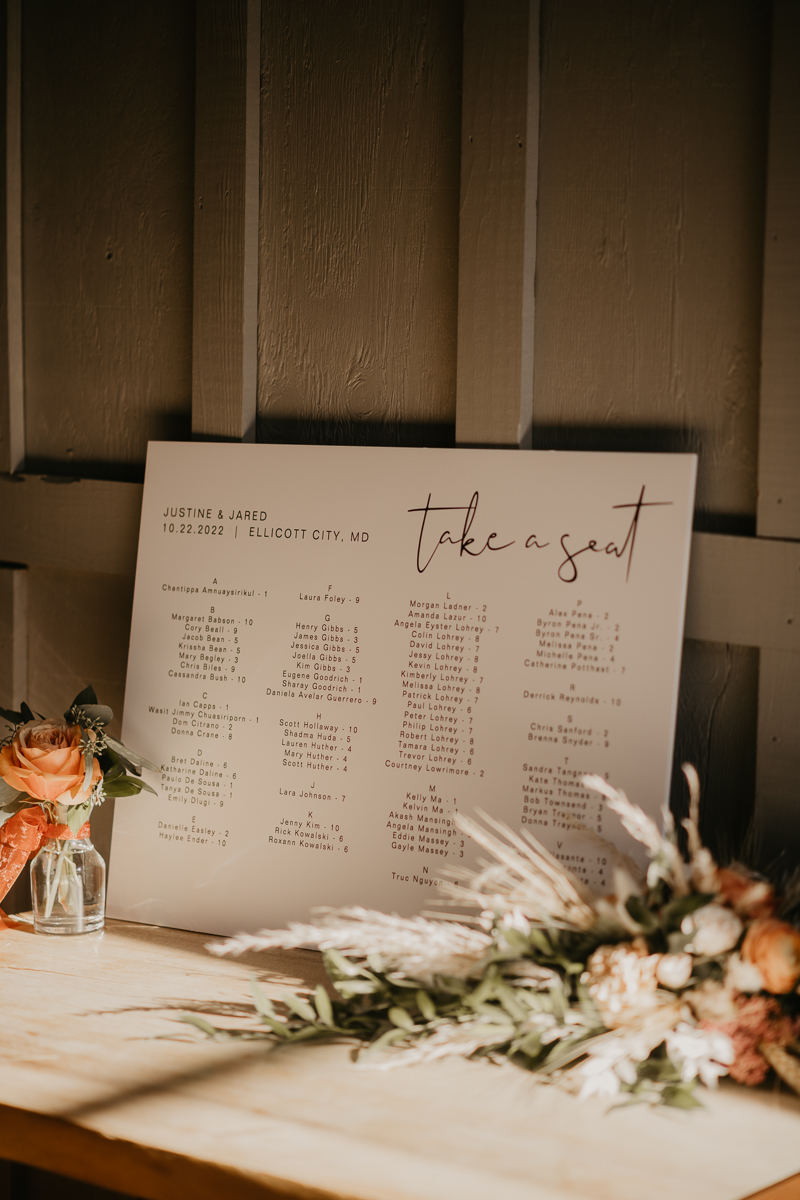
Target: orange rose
(45, 760)
(774, 947)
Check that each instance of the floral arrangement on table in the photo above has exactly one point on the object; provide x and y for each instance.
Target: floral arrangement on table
(681, 976)
(53, 773)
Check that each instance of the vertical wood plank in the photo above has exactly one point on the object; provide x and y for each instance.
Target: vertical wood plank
(14, 456)
(358, 257)
(779, 420)
(652, 159)
(778, 759)
(107, 186)
(225, 321)
(497, 234)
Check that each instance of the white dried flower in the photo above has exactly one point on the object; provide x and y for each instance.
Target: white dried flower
(714, 930)
(621, 980)
(612, 1058)
(411, 946)
(523, 878)
(450, 1040)
(516, 920)
(711, 1001)
(601, 1076)
(743, 976)
(674, 970)
(700, 1053)
(703, 870)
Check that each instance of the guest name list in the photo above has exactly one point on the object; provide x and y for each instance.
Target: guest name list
(335, 650)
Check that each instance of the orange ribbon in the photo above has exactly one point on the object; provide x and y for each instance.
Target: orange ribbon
(21, 836)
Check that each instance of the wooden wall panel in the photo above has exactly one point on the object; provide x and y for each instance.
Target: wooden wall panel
(777, 795)
(650, 237)
(779, 426)
(75, 524)
(716, 730)
(497, 233)
(360, 137)
(225, 335)
(79, 629)
(108, 154)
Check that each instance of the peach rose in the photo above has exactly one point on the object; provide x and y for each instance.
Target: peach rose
(45, 760)
(774, 947)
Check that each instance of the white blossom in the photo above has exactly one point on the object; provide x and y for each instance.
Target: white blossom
(700, 1053)
(743, 976)
(714, 929)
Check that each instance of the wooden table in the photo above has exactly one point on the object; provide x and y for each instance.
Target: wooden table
(93, 1091)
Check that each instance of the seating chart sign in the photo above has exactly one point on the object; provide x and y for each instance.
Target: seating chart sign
(335, 649)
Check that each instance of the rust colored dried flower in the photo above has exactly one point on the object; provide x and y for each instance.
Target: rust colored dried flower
(758, 1020)
(774, 947)
(748, 895)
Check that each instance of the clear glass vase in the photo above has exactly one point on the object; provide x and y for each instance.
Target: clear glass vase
(68, 887)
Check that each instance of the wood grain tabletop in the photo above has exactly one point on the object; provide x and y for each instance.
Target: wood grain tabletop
(99, 1081)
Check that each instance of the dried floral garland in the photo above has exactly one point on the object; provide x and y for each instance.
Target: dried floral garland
(677, 978)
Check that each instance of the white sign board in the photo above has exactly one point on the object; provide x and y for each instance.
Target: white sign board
(333, 649)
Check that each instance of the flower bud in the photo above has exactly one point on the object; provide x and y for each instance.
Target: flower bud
(674, 970)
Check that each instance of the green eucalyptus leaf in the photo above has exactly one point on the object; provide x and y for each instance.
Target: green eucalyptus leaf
(324, 1007)
(337, 966)
(199, 1023)
(672, 914)
(680, 1095)
(262, 1002)
(16, 806)
(355, 987)
(301, 1008)
(307, 1033)
(541, 942)
(88, 767)
(389, 1038)
(130, 756)
(144, 786)
(531, 1044)
(87, 696)
(13, 718)
(516, 1010)
(426, 1006)
(516, 940)
(78, 815)
(124, 786)
(400, 1018)
(641, 914)
(8, 794)
(100, 713)
(278, 1027)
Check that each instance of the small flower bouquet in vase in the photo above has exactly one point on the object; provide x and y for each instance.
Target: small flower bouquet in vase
(53, 773)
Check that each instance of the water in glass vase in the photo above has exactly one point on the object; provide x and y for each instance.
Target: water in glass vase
(68, 887)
